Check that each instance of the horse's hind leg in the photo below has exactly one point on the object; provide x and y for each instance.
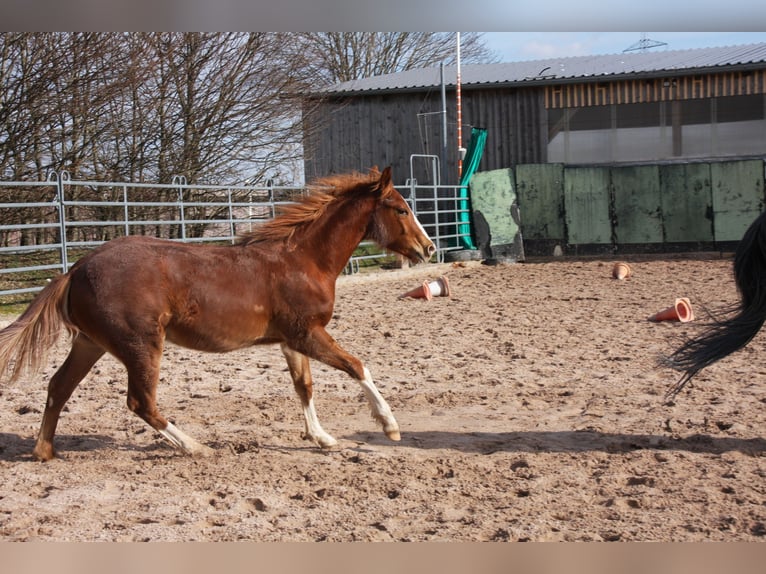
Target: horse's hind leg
(82, 357)
(143, 375)
(300, 371)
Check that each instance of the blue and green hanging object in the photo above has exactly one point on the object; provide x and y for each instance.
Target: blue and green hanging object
(470, 165)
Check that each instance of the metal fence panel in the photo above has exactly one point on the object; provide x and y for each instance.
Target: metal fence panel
(46, 226)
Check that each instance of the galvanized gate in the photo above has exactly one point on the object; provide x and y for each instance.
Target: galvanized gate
(47, 225)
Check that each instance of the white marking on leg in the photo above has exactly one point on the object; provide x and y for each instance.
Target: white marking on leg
(183, 441)
(314, 430)
(380, 409)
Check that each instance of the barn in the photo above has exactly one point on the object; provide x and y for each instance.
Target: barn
(659, 150)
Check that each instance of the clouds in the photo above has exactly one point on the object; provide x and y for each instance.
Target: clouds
(522, 46)
(536, 50)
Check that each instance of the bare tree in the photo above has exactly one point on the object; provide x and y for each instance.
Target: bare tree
(27, 73)
(57, 95)
(217, 106)
(333, 57)
(147, 107)
(89, 77)
(210, 107)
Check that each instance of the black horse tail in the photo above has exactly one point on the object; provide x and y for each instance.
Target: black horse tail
(740, 323)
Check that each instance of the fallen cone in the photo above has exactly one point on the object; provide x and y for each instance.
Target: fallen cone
(621, 271)
(428, 290)
(681, 310)
(422, 292)
(440, 287)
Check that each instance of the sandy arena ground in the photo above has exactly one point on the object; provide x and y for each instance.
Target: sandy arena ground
(530, 406)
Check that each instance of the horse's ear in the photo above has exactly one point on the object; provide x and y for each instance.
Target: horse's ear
(385, 177)
(383, 180)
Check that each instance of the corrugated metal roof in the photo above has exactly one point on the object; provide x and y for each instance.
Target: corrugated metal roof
(555, 70)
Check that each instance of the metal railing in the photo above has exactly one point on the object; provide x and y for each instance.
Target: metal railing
(47, 225)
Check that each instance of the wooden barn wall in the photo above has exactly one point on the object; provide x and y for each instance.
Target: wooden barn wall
(358, 132)
(516, 123)
(353, 134)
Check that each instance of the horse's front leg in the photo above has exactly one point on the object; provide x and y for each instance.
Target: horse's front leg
(300, 371)
(321, 346)
(381, 412)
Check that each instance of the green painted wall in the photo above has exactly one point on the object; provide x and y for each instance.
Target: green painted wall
(495, 209)
(586, 204)
(542, 187)
(637, 204)
(737, 197)
(656, 207)
(686, 202)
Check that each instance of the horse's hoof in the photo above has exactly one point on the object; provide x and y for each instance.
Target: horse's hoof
(324, 442)
(327, 443)
(394, 434)
(43, 453)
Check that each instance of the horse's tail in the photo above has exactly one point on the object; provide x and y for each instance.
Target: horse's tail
(741, 322)
(23, 343)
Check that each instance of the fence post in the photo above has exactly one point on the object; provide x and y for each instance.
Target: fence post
(61, 179)
(180, 181)
(413, 183)
(232, 227)
(125, 211)
(270, 190)
(437, 229)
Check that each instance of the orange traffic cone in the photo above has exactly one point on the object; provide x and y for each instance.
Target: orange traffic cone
(427, 290)
(621, 270)
(681, 310)
(440, 287)
(421, 292)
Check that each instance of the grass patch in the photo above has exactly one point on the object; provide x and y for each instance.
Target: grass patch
(15, 303)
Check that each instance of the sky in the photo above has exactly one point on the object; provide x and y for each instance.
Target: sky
(522, 46)
(390, 15)
(557, 16)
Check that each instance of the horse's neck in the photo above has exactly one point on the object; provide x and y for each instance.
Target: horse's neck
(338, 234)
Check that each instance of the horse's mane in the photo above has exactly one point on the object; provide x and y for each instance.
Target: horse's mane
(308, 208)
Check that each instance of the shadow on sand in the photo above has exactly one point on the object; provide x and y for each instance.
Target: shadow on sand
(564, 441)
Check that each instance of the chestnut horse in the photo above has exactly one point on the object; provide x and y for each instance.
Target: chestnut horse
(275, 285)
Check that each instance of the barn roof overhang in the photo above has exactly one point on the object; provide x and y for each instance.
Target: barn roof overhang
(541, 82)
(563, 71)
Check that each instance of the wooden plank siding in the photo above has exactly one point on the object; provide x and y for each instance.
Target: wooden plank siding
(646, 90)
(355, 133)
(516, 124)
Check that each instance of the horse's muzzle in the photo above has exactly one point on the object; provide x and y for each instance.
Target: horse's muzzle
(423, 254)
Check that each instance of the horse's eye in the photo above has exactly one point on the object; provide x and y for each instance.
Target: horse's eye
(402, 212)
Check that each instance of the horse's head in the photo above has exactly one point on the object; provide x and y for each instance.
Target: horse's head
(394, 226)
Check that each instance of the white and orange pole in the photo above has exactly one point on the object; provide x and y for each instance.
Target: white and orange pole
(459, 114)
